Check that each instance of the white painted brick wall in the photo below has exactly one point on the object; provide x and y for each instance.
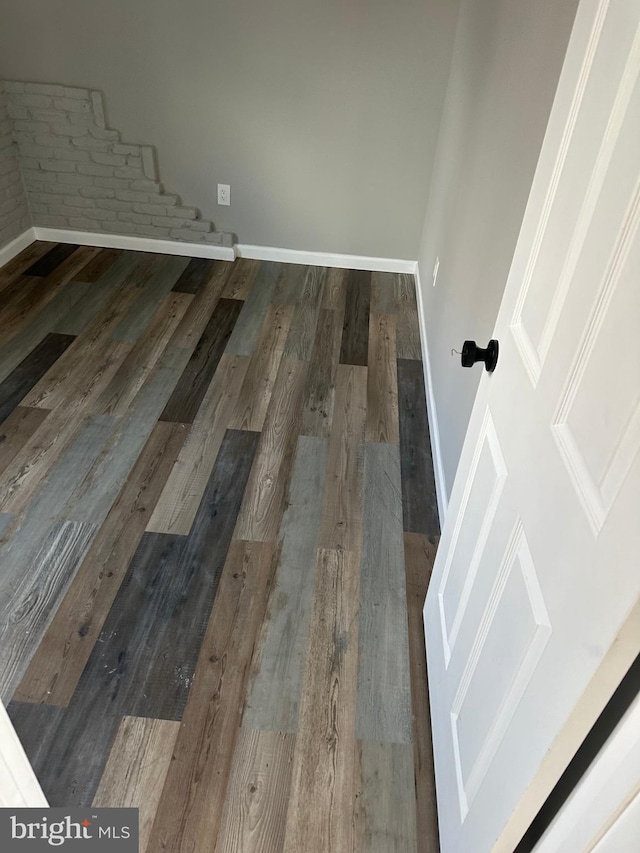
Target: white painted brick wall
(14, 211)
(59, 158)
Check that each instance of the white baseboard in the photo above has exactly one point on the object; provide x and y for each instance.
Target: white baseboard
(324, 259)
(8, 252)
(432, 412)
(136, 244)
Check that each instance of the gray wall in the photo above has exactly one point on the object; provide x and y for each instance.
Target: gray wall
(14, 213)
(506, 63)
(323, 116)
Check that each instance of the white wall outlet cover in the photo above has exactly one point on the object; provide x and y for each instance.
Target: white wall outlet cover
(224, 194)
(436, 267)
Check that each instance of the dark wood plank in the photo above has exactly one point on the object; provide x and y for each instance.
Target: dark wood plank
(419, 504)
(355, 332)
(99, 265)
(17, 430)
(54, 257)
(189, 813)
(192, 385)
(23, 378)
(197, 273)
(57, 665)
(144, 660)
(419, 555)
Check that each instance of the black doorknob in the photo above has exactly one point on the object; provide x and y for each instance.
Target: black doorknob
(471, 353)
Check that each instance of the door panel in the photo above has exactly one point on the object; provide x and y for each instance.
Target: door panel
(536, 580)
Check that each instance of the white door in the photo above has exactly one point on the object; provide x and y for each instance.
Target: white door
(18, 784)
(602, 815)
(532, 615)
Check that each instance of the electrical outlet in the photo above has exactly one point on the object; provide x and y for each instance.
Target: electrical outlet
(224, 194)
(436, 267)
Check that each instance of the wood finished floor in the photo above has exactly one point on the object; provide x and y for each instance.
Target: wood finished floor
(217, 526)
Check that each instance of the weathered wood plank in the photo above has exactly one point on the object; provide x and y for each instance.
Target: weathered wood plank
(93, 299)
(386, 814)
(202, 307)
(197, 273)
(24, 475)
(53, 258)
(255, 394)
(419, 503)
(140, 362)
(409, 345)
(247, 330)
(289, 284)
(419, 554)
(323, 788)
(31, 295)
(317, 410)
(382, 382)
(191, 387)
(341, 520)
(335, 290)
(27, 532)
(139, 315)
(384, 686)
(23, 342)
(305, 318)
(383, 293)
(21, 380)
(355, 332)
(61, 657)
(273, 698)
(264, 501)
(143, 662)
(178, 504)
(136, 770)
(17, 430)
(35, 598)
(16, 266)
(192, 800)
(95, 269)
(255, 810)
(241, 278)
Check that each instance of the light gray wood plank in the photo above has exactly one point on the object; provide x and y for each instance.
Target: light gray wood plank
(247, 328)
(23, 539)
(5, 519)
(386, 814)
(30, 335)
(384, 686)
(95, 295)
(36, 597)
(155, 289)
(274, 695)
